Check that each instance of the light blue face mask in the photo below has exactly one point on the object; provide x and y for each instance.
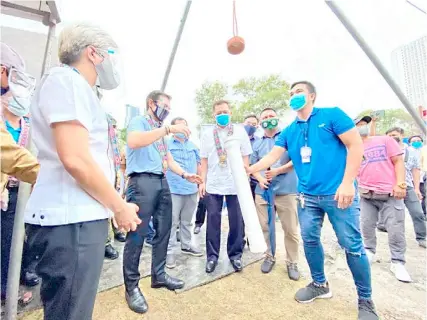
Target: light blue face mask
(298, 101)
(19, 106)
(223, 119)
(180, 136)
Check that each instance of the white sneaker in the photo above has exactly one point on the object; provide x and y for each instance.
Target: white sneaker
(370, 256)
(400, 272)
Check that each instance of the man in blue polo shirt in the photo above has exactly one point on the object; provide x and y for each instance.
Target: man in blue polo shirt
(326, 151)
(148, 159)
(184, 194)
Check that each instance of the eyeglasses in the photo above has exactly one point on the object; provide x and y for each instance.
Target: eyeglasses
(159, 103)
(110, 53)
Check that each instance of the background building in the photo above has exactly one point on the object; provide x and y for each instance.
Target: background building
(131, 112)
(409, 64)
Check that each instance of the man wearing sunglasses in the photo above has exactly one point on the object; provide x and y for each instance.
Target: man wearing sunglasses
(148, 159)
(16, 89)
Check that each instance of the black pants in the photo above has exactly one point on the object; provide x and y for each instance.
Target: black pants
(150, 192)
(70, 264)
(7, 221)
(201, 212)
(214, 204)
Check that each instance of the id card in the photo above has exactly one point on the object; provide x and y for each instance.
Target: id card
(305, 154)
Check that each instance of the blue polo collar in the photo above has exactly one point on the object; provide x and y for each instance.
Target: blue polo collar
(315, 110)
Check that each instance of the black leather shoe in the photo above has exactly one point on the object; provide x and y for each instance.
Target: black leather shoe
(237, 265)
(167, 282)
(136, 301)
(30, 279)
(111, 253)
(120, 236)
(211, 265)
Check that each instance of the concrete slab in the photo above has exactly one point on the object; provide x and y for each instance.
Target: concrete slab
(190, 269)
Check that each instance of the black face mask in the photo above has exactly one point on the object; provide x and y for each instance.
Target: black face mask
(397, 139)
(161, 113)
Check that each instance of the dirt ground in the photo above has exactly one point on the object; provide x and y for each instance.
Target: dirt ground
(253, 295)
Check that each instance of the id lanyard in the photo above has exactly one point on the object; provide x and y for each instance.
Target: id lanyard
(305, 150)
(69, 67)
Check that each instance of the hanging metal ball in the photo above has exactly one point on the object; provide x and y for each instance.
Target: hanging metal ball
(236, 45)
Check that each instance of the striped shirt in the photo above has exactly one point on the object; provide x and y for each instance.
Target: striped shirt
(412, 161)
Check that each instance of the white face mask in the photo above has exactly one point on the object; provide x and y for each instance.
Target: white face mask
(363, 130)
(108, 75)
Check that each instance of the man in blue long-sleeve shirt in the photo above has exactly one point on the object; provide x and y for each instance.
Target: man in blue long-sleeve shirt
(184, 194)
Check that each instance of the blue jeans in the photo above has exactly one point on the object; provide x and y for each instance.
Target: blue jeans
(346, 225)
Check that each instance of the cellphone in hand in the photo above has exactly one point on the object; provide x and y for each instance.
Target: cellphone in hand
(378, 114)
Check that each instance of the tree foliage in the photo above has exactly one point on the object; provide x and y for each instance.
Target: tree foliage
(394, 118)
(206, 96)
(247, 96)
(256, 94)
(121, 137)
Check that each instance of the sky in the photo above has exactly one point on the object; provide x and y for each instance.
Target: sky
(301, 40)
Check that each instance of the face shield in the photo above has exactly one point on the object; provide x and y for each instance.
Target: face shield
(108, 69)
(21, 86)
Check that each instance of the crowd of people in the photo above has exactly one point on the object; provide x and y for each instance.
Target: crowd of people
(87, 191)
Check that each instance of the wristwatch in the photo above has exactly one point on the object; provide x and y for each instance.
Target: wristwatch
(183, 175)
(402, 185)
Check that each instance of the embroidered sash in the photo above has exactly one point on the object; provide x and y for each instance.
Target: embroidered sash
(159, 144)
(222, 154)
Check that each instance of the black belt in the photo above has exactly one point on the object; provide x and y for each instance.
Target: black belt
(12, 185)
(147, 174)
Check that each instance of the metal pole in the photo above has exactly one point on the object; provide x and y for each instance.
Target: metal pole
(18, 225)
(377, 63)
(48, 49)
(175, 45)
(416, 7)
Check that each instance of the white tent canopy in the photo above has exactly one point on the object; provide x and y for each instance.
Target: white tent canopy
(33, 10)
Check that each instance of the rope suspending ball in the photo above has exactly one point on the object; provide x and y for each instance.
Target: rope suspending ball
(236, 44)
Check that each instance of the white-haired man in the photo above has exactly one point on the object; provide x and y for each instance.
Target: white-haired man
(74, 195)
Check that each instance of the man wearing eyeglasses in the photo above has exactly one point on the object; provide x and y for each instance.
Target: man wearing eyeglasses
(148, 159)
(16, 90)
